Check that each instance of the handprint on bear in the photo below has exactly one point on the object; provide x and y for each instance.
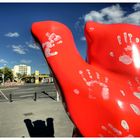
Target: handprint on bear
(131, 53)
(53, 39)
(92, 83)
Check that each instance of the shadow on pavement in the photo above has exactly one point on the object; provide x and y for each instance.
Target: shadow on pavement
(49, 95)
(39, 128)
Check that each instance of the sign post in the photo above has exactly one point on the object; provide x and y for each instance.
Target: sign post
(3, 79)
(36, 77)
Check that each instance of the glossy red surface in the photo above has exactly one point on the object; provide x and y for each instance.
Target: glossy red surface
(103, 95)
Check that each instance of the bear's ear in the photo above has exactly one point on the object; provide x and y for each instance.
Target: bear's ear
(93, 30)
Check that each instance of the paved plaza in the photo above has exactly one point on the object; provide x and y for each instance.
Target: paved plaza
(13, 114)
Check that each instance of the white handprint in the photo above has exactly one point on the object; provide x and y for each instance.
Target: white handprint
(111, 129)
(53, 39)
(91, 83)
(130, 47)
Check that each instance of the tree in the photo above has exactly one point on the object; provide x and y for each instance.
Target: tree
(8, 74)
(1, 72)
(21, 76)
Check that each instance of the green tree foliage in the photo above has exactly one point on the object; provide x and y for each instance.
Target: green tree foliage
(19, 75)
(1, 72)
(8, 74)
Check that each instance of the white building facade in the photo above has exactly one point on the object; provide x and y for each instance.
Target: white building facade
(22, 69)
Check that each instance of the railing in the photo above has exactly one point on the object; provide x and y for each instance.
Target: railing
(29, 91)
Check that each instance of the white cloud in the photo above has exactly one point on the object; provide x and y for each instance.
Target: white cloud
(106, 15)
(25, 61)
(133, 18)
(97, 16)
(33, 46)
(19, 49)
(114, 14)
(14, 34)
(2, 61)
(136, 7)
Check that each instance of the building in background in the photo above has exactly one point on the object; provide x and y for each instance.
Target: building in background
(21, 69)
(42, 78)
(22, 73)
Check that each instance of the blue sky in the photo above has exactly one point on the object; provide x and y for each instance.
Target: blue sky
(17, 45)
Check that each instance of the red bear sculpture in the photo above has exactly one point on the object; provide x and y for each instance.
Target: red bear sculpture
(102, 95)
